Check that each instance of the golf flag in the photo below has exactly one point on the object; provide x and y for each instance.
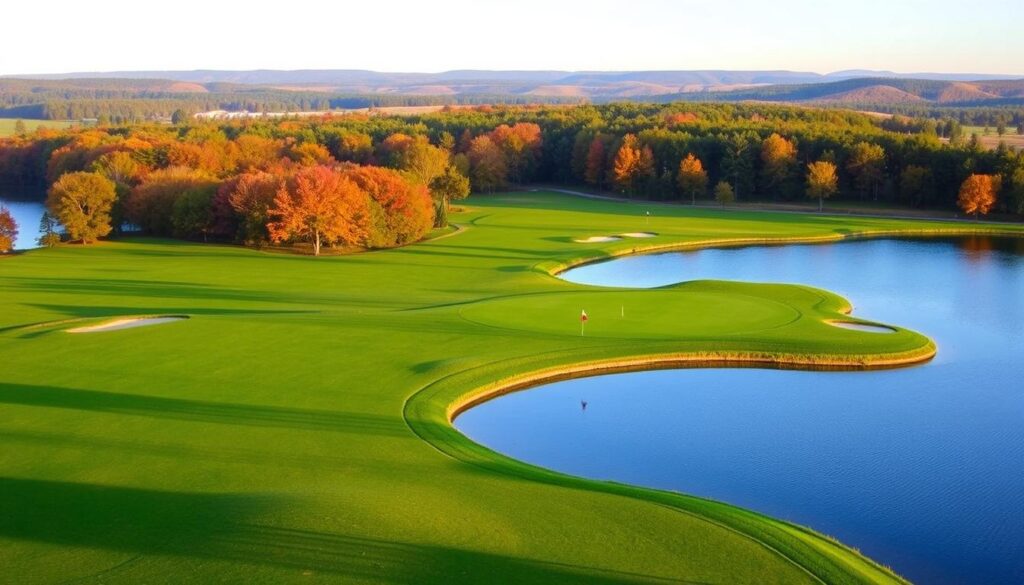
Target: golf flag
(583, 316)
(583, 320)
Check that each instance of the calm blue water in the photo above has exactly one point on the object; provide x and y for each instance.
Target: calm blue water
(27, 212)
(921, 468)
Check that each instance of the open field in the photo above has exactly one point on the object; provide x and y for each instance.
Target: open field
(295, 428)
(7, 125)
(991, 139)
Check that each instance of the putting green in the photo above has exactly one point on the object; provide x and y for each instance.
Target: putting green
(662, 314)
(296, 428)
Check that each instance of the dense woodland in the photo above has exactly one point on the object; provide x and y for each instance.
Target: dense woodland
(234, 180)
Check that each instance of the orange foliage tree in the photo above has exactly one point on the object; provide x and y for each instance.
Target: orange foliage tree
(594, 173)
(320, 205)
(248, 197)
(626, 164)
(8, 231)
(400, 211)
(978, 194)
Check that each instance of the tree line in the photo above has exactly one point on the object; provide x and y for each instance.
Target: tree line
(746, 152)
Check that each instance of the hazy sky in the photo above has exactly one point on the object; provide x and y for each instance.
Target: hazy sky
(981, 36)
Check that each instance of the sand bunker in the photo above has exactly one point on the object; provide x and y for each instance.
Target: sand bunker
(862, 327)
(125, 323)
(638, 235)
(596, 239)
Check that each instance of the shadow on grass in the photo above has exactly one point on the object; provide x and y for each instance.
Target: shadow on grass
(224, 527)
(202, 411)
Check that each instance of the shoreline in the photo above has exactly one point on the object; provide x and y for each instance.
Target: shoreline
(689, 360)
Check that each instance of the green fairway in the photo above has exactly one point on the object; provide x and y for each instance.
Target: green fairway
(7, 125)
(295, 428)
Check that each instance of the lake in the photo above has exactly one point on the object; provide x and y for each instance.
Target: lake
(921, 468)
(27, 208)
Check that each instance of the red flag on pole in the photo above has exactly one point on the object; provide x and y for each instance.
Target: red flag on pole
(583, 316)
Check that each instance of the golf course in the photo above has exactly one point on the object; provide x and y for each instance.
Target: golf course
(225, 414)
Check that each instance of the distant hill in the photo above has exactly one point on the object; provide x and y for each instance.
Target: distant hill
(875, 90)
(594, 85)
(149, 95)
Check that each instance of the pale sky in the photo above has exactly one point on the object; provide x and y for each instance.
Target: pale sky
(980, 36)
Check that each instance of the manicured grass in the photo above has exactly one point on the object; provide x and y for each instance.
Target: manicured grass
(295, 428)
(7, 125)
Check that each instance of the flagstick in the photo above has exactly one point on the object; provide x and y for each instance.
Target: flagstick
(582, 325)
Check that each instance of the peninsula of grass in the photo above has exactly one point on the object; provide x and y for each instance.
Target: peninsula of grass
(296, 427)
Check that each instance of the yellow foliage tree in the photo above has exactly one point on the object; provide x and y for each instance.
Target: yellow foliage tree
(822, 181)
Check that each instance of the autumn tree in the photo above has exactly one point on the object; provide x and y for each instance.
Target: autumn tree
(778, 158)
(250, 196)
(320, 205)
(866, 164)
(415, 156)
(150, 205)
(724, 194)
(81, 202)
(521, 145)
(594, 172)
(309, 154)
(693, 179)
(487, 165)
(400, 209)
(978, 194)
(8, 231)
(626, 165)
(822, 181)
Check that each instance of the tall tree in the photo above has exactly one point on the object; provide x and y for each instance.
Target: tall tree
(867, 165)
(449, 186)
(48, 236)
(487, 165)
(978, 194)
(914, 184)
(321, 206)
(8, 230)
(778, 158)
(81, 202)
(251, 196)
(594, 172)
(822, 181)
(693, 179)
(626, 165)
(738, 163)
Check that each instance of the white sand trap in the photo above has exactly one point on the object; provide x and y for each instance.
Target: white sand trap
(862, 327)
(125, 323)
(596, 239)
(639, 235)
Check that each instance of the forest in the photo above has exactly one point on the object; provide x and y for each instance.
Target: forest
(393, 176)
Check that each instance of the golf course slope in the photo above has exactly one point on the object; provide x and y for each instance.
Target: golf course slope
(295, 428)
